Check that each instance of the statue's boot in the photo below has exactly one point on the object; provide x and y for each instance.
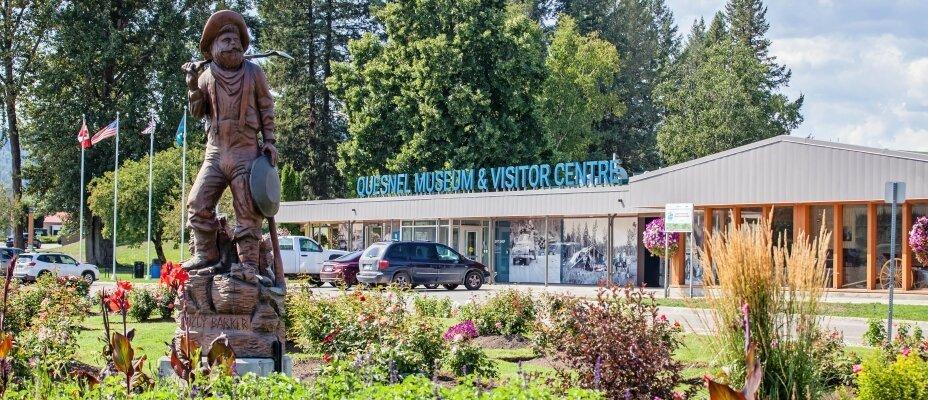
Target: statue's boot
(205, 251)
(247, 267)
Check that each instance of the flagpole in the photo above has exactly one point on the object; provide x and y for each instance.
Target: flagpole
(151, 157)
(81, 234)
(115, 192)
(183, 186)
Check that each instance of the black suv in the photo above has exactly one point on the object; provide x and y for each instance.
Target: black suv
(413, 263)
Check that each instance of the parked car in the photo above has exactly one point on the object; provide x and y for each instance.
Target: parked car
(6, 255)
(30, 266)
(303, 256)
(342, 270)
(413, 263)
(35, 242)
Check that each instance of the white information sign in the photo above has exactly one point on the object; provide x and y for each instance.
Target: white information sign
(678, 217)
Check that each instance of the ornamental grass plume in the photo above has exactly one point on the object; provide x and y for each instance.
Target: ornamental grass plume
(782, 287)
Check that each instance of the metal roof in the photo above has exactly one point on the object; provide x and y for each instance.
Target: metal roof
(783, 169)
(779, 170)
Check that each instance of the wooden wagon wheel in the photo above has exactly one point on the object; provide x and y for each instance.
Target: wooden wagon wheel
(884, 274)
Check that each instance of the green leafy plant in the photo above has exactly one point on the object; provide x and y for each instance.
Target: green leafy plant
(165, 298)
(432, 307)
(509, 312)
(143, 303)
(906, 378)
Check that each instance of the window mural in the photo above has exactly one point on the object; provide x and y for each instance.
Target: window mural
(582, 250)
(528, 258)
(625, 251)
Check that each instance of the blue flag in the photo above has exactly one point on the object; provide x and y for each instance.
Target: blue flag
(181, 136)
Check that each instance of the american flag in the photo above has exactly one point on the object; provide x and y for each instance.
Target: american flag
(150, 129)
(83, 136)
(107, 132)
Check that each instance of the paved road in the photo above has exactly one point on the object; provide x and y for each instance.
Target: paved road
(693, 320)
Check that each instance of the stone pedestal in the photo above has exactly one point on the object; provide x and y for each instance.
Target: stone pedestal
(258, 366)
(229, 301)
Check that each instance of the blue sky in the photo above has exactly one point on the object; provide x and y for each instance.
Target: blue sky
(862, 65)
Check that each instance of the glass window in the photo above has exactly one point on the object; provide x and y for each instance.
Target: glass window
(823, 217)
(446, 254)
(721, 217)
(525, 244)
(920, 271)
(782, 224)
(374, 251)
(423, 252)
(443, 234)
(67, 259)
(854, 246)
(883, 246)
(422, 234)
(48, 258)
(285, 243)
(398, 252)
(751, 215)
(307, 245)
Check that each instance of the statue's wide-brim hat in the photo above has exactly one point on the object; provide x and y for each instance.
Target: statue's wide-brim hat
(215, 23)
(265, 186)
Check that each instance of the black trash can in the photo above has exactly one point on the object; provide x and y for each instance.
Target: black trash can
(138, 270)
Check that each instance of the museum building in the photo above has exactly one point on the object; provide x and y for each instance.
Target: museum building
(586, 225)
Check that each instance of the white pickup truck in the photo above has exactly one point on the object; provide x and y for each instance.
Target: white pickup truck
(303, 256)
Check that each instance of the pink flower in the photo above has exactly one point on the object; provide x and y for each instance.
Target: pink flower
(906, 351)
(857, 368)
(663, 318)
(774, 343)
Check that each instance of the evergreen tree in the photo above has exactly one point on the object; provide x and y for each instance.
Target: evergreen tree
(290, 184)
(716, 98)
(107, 56)
(316, 33)
(747, 21)
(452, 86)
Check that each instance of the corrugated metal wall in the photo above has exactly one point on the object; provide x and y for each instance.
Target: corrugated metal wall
(598, 201)
(783, 170)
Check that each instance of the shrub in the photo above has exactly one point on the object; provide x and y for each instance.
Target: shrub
(372, 327)
(80, 286)
(432, 307)
(776, 290)
(142, 303)
(464, 357)
(835, 364)
(45, 318)
(620, 344)
(165, 298)
(509, 312)
(903, 379)
(553, 320)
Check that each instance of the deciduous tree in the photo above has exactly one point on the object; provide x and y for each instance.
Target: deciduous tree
(453, 85)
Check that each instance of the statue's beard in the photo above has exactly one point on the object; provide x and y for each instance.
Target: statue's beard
(229, 59)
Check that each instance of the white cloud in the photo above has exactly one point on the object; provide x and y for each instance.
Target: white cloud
(862, 66)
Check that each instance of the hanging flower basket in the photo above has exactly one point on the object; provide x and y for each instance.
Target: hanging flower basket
(654, 239)
(918, 240)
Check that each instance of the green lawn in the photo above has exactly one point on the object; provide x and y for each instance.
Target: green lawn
(126, 256)
(866, 310)
(151, 339)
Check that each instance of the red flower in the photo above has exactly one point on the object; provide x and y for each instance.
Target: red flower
(124, 285)
(331, 336)
(118, 301)
(326, 358)
(173, 275)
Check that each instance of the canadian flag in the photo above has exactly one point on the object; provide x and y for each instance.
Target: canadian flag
(83, 136)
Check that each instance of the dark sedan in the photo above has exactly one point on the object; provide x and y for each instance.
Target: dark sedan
(342, 270)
